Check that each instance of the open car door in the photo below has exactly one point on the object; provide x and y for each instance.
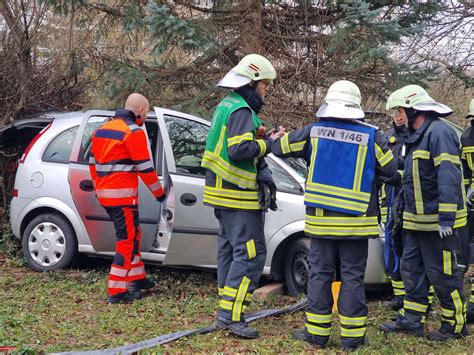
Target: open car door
(98, 224)
(195, 228)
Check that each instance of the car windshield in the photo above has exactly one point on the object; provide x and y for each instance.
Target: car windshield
(299, 165)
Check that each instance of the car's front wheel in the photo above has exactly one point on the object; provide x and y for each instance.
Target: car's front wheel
(49, 242)
(297, 266)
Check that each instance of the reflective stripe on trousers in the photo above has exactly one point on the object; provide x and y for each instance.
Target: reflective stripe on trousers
(127, 264)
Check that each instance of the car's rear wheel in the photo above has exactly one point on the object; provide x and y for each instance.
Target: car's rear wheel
(49, 242)
(297, 266)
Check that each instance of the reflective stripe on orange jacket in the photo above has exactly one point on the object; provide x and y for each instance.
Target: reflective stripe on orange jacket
(119, 154)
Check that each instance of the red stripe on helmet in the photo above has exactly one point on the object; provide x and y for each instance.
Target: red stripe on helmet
(254, 67)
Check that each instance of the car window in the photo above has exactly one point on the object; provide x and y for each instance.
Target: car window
(188, 140)
(95, 122)
(92, 124)
(283, 180)
(59, 150)
(299, 165)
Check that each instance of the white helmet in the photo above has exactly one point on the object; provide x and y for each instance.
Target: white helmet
(414, 96)
(252, 67)
(342, 101)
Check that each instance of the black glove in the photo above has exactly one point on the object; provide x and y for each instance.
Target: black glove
(267, 195)
(273, 195)
(161, 198)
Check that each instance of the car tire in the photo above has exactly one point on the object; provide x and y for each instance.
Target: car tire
(297, 266)
(49, 242)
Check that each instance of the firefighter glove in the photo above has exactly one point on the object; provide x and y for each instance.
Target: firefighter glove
(267, 195)
(469, 196)
(445, 232)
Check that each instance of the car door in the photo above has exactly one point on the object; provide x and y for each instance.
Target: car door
(98, 224)
(195, 229)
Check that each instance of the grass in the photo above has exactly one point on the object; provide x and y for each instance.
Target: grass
(66, 311)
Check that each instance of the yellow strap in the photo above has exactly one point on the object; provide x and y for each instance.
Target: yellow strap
(241, 294)
(338, 191)
(239, 139)
(458, 313)
(285, 145)
(336, 202)
(251, 251)
(447, 266)
(421, 154)
(318, 318)
(355, 321)
(415, 306)
(446, 157)
(297, 147)
(448, 207)
(353, 333)
(321, 331)
(417, 188)
(263, 147)
(359, 168)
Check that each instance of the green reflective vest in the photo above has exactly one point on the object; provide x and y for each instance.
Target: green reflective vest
(216, 158)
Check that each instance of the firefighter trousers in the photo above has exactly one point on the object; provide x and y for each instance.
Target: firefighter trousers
(240, 259)
(323, 257)
(127, 264)
(395, 250)
(428, 259)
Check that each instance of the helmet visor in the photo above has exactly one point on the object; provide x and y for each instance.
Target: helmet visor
(233, 80)
(341, 110)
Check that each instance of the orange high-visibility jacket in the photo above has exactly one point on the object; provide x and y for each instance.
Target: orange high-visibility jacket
(119, 154)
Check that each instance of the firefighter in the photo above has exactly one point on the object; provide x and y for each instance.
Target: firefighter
(119, 155)
(344, 156)
(434, 208)
(467, 143)
(232, 157)
(396, 137)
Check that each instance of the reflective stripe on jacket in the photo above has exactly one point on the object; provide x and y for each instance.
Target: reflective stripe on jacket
(432, 179)
(324, 223)
(231, 156)
(467, 156)
(342, 166)
(119, 154)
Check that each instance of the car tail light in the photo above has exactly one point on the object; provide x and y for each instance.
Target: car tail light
(15, 193)
(27, 150)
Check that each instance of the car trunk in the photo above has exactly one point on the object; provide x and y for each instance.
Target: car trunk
(14, 139)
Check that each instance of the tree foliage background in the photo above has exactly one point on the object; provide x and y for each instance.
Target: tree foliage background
(77, 54)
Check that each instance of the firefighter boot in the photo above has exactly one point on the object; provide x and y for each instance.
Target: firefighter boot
(443, 335)
(124, 297)
(302, 334)
(470, 313)
(396, 327)
(238, 328)
(143, 284)
(395, 303)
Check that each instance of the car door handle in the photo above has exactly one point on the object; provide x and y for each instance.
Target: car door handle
(188, 199)
(86, 185)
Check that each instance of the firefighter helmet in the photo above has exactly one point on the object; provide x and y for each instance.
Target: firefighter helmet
(252, 67)
(342, 101)
(415, 97)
